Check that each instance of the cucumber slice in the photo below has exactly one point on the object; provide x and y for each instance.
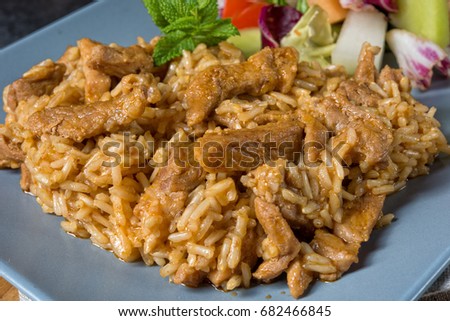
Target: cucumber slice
(249, 41)
(428, 19)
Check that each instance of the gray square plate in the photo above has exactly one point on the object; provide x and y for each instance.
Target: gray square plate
(398, 263)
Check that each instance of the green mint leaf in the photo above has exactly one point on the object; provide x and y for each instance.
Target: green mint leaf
(208, 10)
(213, 33)
(172, 46)
(154, 11)
(186, 24)
(172, 10)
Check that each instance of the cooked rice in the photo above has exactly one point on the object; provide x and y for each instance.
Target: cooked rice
(78, 182)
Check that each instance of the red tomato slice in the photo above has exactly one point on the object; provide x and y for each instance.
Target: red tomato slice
(249, 17)
(243, 14)
(234, 7)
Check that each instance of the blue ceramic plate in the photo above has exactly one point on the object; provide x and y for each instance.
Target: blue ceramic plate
(398, 263)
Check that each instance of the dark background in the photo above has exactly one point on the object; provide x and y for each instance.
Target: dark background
(18, 18)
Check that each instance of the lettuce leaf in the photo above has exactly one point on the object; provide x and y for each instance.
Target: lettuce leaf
(312, 36)
(275, 22)
(357, 5)
(417, 57)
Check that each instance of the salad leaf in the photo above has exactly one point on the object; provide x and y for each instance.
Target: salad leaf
(357, 5)
(386, 5)
(278, 2)
(275, 22)
(302, 6)
(186, 23)
(417, 56)
(312, 36)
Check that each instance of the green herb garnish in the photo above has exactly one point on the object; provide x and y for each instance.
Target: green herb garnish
(185, 24)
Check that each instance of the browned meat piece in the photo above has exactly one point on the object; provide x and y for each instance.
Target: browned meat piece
(165, 198)
(357, 88)
(342, 254)
(188, 276)
(289, 211)
(246, 149)
(359, 93)
(315, 138)
(179, 175)
(298, 278)
(25, 178)
(40, 80)
(11, 156)
(118, 61)
(360, 216)
(280, 233)
(365, 71)
(173, 183)
(218, 277)
(388, 74)
(273, 116)
(303, 227)
(97, 82)
(270, 69)
(248, 252)
(374, 136)
(331, 114)
(81, 122)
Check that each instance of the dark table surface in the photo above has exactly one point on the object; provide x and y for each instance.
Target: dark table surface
(18, 18)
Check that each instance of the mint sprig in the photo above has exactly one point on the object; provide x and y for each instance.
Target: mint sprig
(185, 24)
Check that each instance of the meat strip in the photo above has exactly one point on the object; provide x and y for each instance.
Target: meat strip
(359, 93)
(246, 149)
(97, 82)
(342, 247)
(357, 88)
(188, 276)
(280, 233)
(389, 74)
(270, 69)
(341, 254)
(39, 80)
(85, 121)
(11, 156)
(360, 216)
(298, 278)
(25, 178)
(316, 136)
(374, 137)
(165, 199)
(173, 182)
(366, 71)
(118, 61)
